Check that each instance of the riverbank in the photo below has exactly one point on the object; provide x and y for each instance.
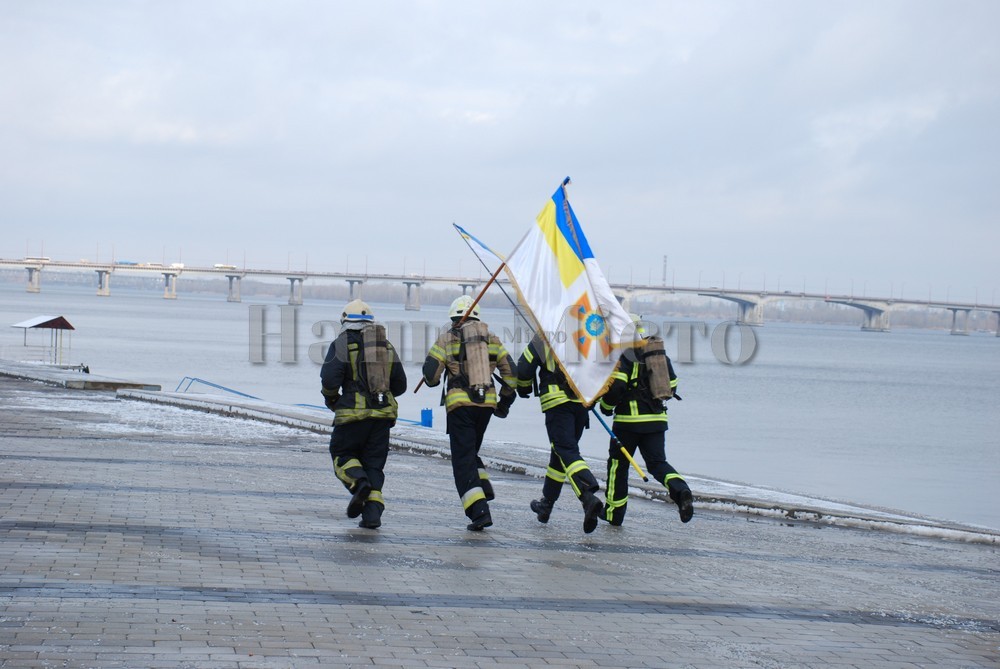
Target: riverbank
(825, 412)
(511, 457)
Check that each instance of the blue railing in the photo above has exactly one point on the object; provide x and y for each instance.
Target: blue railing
(193, 379)
(426, 415)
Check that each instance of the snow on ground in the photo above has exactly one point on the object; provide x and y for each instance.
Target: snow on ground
(103, 413)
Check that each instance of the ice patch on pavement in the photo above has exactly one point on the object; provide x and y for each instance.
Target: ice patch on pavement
(102, 413)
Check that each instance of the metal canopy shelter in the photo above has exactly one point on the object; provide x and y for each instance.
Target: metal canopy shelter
(56, 325)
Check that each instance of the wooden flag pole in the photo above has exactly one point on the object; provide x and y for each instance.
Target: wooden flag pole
(627, 455)
(471, 307)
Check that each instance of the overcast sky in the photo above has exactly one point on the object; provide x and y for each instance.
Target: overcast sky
(822, 144)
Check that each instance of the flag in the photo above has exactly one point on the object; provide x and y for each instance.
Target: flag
(486, 255)
(492, 261)
(559, 281)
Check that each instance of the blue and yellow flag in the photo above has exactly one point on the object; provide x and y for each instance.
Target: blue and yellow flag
(565, 293)
(487, 256)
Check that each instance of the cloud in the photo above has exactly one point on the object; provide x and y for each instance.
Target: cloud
(725, 135)
(843, 133)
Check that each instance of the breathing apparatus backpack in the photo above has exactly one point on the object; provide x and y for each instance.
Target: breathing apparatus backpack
(656, 371)
(474, 360)
(373, 367)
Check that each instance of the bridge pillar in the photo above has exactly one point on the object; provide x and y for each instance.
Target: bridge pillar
(750, 313)
(467, 288)
(359, 283)
(749, 308)
(413, 295)
(234, 288)
(103, 282)
(875, 320)
(170, 285)
(876, 314)
(295, 290)
(34, 279)
(964, 328)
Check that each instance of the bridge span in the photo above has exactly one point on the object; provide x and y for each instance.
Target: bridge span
(749, 303)
(875, 310)
(234, 274)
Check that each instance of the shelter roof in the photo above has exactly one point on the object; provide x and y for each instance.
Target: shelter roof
(48, 322)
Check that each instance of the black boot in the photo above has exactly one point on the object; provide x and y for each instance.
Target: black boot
(685, 505)
(592, 508)
(361, 490)
(480, 523)
(371, 516)
(542, 508)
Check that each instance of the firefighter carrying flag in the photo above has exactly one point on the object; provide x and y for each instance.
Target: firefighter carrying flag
(578, 334)
(568, 299)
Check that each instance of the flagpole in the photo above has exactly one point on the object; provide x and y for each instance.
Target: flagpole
(569, 215)
(471, 307)
(480, 296)
(500, 286)
(621, 446)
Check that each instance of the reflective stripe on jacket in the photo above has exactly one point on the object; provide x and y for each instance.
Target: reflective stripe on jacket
(630, 397)
(552, 387)
(340, 375)
(445, 358)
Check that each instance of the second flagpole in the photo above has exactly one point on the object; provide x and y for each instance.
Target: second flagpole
(471, 307)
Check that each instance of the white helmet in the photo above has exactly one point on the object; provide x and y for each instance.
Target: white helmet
(640, 329)
(461, 305)
(357, 311)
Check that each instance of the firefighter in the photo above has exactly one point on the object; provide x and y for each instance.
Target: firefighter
(361, 377)
(566, 418)
(644, 380)
(467, 353)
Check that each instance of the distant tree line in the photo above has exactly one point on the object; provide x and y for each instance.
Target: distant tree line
(671, 306)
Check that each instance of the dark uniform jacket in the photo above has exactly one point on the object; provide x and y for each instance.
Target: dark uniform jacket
(553, 389)
(344, 382)
(445, 356)
(630, 399)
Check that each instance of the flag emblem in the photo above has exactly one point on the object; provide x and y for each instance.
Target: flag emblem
(591, 327)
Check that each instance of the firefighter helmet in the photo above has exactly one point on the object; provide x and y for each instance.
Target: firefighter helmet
(640, 329)
(357, 311)
(461, 305)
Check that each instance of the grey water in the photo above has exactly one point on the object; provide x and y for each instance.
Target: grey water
(907, 420)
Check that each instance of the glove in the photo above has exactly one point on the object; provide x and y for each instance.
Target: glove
(606, 411)
(524, 392)
(331, 401)
(503, 406)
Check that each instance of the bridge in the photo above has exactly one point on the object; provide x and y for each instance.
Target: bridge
(749, 303)
(170, 273)
(875, 310)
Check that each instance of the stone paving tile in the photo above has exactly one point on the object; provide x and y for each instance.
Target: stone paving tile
(133, 537)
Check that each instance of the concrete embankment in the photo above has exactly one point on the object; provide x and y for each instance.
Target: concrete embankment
(506, 456)
(517, 458)
(67, 376)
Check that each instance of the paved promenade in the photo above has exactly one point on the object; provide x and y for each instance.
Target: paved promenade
(141, 535)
